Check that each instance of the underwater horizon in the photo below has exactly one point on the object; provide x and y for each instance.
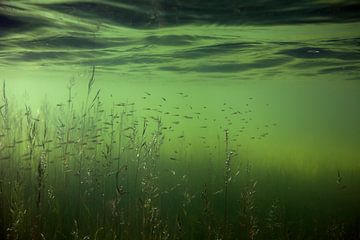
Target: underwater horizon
(181, 119)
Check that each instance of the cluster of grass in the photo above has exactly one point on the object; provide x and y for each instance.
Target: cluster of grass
(90, 171)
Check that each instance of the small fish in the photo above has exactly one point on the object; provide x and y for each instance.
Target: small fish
(172, 172)
(339, 178)
(147, 93)
(164, 99)
(5, 158)
(218, 192)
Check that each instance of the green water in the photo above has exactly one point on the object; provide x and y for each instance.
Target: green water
(179, 120)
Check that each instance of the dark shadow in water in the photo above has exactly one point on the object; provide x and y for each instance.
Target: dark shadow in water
(351, 41)
(114, 61)
(312, 52)
(230, 12)
(171, 40)
(102, 12)
(164, 13)
(207, 51)
(347, 69)
(357, 78)
(10, 24)
(18, 17)
(315, 63)
(230, 67)
(62, 42)
(35, 56)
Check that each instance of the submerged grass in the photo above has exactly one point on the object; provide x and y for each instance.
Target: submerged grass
(91, 172)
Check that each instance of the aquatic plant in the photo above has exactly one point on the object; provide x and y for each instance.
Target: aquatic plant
(89, 170)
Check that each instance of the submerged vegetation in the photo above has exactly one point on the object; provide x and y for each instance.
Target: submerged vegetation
(90, 171)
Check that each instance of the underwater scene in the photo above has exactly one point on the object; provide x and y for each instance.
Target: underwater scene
(179, 119)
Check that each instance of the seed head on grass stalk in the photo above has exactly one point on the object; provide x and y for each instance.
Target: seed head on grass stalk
(227, 179)
(248, 219)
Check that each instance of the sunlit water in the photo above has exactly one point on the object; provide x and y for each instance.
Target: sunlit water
(283, 80)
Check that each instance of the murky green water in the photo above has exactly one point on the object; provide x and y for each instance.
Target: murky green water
(179, 119)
